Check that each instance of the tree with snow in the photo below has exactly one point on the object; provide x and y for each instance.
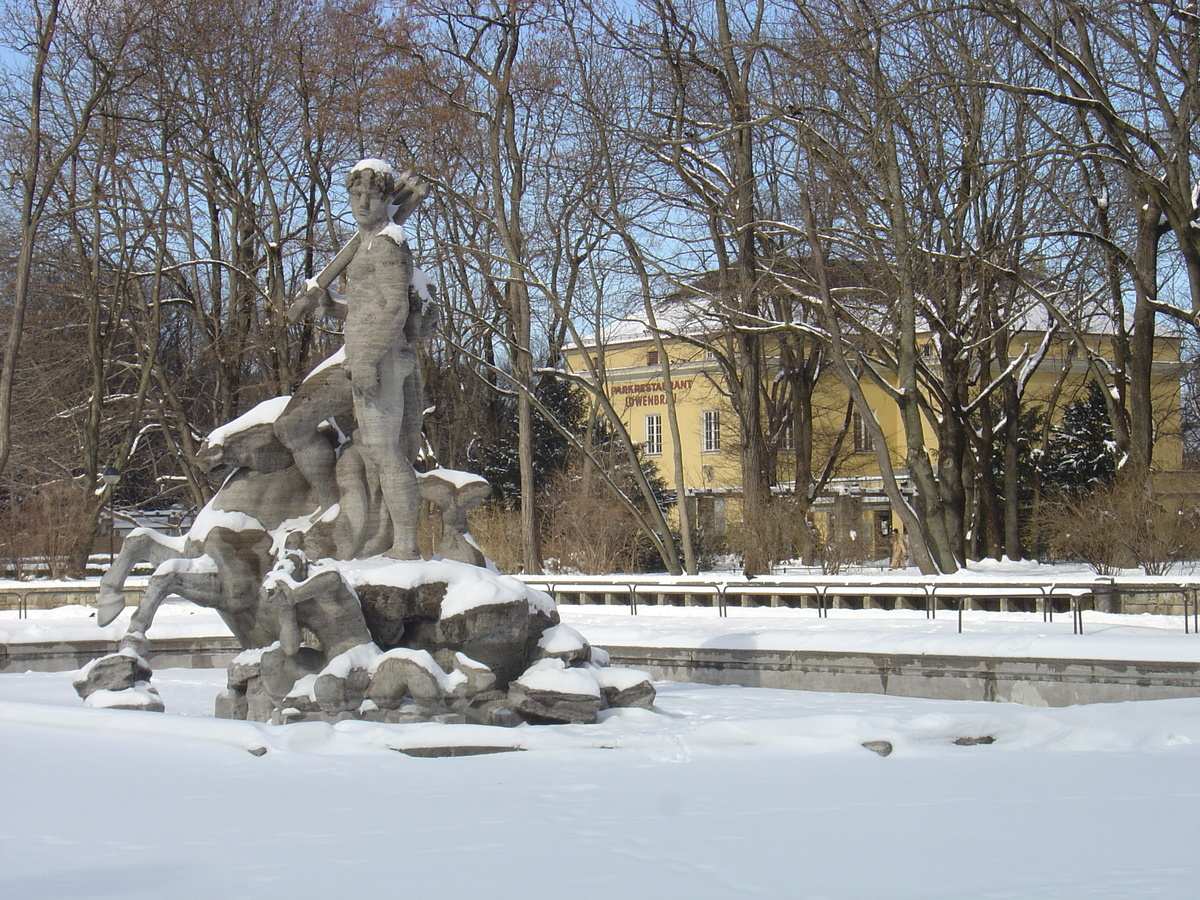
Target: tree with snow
(1080, 455)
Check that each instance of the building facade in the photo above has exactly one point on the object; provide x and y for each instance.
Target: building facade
(629, 365)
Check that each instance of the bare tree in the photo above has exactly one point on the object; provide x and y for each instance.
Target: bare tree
(1129, 75)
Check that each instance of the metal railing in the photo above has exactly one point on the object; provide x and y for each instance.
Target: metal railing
(820, 593)
(823, 594)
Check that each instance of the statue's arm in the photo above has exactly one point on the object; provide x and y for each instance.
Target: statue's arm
(318, 300)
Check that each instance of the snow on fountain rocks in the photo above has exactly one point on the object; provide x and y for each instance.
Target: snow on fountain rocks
(142, 695)
(549, 691)
(120, 680)
(114, 673)
(412, 673)
(501, 657)
(623, 688)
(440, 604)
(565, 643)
(480, 678)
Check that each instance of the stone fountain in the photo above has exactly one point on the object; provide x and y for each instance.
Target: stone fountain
(308, 551)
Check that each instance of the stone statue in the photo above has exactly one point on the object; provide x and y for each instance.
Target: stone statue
(309, 548)
(377, 376)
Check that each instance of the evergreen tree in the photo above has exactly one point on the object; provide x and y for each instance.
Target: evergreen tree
(1080, 457)
(499, 464)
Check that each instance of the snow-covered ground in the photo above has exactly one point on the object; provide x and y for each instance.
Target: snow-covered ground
(720, 792)
(1106, 636)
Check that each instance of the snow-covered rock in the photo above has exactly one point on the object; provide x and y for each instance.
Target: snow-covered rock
(141, 695)
(565, 643)
(624, 688)
(115, 672)
(549, 691)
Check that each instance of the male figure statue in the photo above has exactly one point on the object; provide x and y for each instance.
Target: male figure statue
(379, 366)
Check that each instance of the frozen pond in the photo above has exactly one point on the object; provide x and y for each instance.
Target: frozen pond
(721, 792)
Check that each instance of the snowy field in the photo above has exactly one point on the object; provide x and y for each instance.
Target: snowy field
(720, 792)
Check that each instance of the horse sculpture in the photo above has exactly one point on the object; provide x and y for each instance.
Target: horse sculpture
(264, 513)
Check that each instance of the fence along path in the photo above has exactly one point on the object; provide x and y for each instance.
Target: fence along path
(1121, 594)
(1156, 594)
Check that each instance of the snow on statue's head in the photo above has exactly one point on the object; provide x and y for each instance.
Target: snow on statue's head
(376, 174)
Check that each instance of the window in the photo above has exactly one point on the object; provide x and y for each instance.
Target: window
(863, 442)
(652, 358)
(654, 435)
(711, 433)
(787, 440)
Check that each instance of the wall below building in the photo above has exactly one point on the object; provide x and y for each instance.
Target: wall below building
(1033, 682)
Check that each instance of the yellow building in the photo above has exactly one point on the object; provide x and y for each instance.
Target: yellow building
(631, 371)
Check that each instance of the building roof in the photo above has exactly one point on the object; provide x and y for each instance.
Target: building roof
(695, 309)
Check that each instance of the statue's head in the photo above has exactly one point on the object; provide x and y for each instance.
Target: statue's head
(374, 174)
(371, 185)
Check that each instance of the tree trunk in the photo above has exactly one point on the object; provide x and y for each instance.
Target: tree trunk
(31, 211)
(1136, 470)
(1013, 546)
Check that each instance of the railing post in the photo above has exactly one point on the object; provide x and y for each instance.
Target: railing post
(1109, 590)
(722, 608)
(632, 599)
